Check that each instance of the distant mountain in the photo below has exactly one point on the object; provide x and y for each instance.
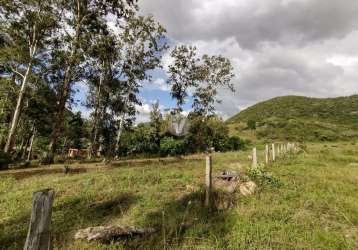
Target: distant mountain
(302, 118)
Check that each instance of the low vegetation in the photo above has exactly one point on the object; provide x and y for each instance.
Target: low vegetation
(307, 201)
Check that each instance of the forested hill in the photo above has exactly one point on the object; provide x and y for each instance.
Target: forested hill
(302, 118)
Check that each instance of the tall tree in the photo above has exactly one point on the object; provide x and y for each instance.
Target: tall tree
(202, 76)
(27, 26)
(122, 61)
(81, 19)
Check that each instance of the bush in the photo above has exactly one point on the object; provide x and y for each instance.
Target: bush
(170, 146)
(5, 160)
(261, 177)
(235, 143)
(251, 124)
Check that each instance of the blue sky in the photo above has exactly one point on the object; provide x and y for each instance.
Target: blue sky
(155, 90)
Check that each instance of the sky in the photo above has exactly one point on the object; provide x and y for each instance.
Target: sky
(277, 47)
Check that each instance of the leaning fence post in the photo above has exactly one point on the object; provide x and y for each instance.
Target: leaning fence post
(273, 152)
(254, 158)
(208, 180)
(267, 154)
(38, 236)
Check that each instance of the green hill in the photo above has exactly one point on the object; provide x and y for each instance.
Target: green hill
(302, 118)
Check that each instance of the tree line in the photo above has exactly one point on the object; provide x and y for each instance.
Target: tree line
(49, 47)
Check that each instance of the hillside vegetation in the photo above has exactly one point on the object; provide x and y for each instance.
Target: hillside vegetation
(301, 118)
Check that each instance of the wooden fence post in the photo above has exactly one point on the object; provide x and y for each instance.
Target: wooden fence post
(273, 152)
(267, 154)
(208, 180)
(39, 236)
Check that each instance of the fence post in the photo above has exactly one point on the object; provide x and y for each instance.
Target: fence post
(273, 152)
(254, 158)
(208, 180)
(39, 236)
(279, 152)
(267, 154)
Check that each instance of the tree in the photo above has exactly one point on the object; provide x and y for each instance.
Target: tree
(26, 28)
(8, 96)
(156, 122)
(81, 20)
(206, 132)
(201, 75)
(120, 63)
(76, 131)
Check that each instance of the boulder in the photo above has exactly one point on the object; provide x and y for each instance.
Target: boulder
(248, 188)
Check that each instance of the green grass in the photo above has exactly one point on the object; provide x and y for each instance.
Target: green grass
(315, 207)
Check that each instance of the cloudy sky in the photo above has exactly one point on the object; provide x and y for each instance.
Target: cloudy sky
(277, 47)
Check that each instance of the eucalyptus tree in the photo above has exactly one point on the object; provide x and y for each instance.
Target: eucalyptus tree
(26, 28)
(8, 96)
(200, 77)
(123, 60)
(80, 19)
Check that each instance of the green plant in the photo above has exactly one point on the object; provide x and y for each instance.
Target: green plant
(263, 177)
(251, 124)
(5, 160)
(171, 146)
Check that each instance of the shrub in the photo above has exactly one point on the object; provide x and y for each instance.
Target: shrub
(251, 124)
(171, 146)
(235, 143)
(5, 160)
(260, 176)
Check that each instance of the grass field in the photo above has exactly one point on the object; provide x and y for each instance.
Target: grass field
(315, 207)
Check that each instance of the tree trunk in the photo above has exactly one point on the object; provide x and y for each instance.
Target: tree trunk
(21, 146)
(59, 118)
(64, 147)
(31, 145)
(94, 131)
(23, 152)
(16, 116)
(38, 236)
(119, 133)
(63, 96)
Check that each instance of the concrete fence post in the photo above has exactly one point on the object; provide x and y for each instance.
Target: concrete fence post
(267, 154)
(273, 152)
(254, 158)
(208, 180)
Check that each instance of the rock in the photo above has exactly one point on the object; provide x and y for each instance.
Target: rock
(232, 187)
(248, 188)
(227, 186)
(191, 188)
(108, 233)
(228, 175)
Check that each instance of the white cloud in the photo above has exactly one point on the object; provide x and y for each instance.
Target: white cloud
(277, 47)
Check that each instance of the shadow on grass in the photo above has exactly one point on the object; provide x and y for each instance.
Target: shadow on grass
(43, 171)
(67, 217)
(150, 162)
(185, 221)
